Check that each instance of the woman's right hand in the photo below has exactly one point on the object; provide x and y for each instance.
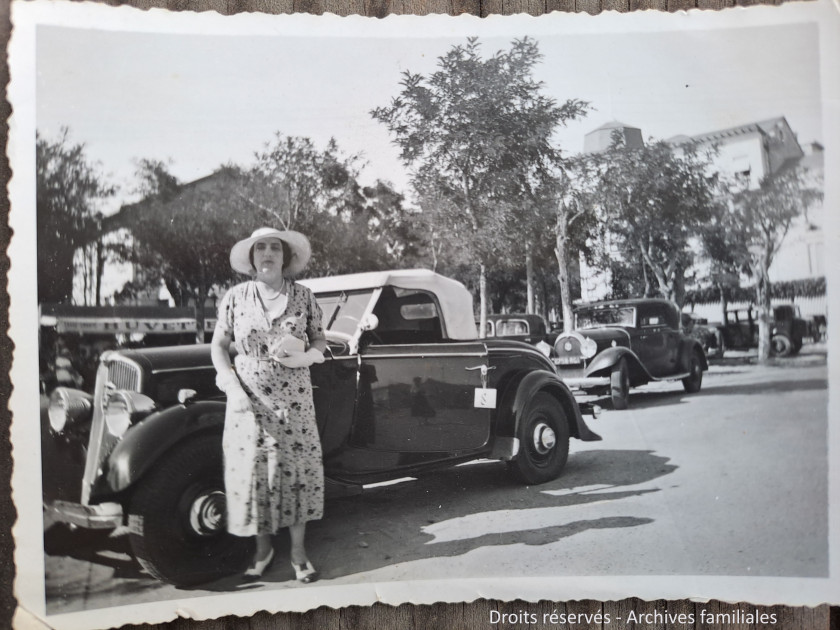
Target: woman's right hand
(238, 400)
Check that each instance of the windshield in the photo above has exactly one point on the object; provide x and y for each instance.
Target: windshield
(605, 316)
(343, 310)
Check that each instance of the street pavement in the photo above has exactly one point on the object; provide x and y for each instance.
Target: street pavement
(700, 484)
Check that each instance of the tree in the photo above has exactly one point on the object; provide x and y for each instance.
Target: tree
(654, 200)
(296, 186)
(756, 222)
(68, 196)
(183, 233)
(468, 132)
(571, 202)
(720, 245)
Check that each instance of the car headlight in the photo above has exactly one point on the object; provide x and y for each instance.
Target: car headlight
(588, 348)
(68, 406)
(122, 409)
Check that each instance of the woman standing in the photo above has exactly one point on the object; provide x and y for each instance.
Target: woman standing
(273, 468)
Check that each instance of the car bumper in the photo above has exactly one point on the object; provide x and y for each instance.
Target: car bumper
(102, 516)
(584, 382)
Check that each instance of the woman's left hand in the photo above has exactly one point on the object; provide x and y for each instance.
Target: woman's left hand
(297, 359)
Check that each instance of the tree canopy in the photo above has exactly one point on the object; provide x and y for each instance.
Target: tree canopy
(70, 190)
(655, 198)
(471, 133)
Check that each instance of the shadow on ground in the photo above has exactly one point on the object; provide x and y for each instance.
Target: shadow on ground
(642, 398)
(391, 525)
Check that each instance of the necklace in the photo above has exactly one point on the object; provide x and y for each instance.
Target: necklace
(271, 298)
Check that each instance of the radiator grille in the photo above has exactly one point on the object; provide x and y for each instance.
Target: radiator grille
(124, 375)
(118, 373)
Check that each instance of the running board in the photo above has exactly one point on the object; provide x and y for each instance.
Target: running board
(675, 377)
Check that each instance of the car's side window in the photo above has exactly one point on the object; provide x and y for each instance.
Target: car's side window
(407, 316)
(512, 327)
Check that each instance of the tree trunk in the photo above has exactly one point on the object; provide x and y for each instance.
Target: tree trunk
(482, 293)
(529, 278)
(201, 297)
(100, 269)
(85, 276)
(763, 302)
(562, 255)
(679, 287)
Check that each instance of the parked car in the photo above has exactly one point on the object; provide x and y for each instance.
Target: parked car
(708, 335)
(787, 329)
(527, 327)
(621, 344)
(407, 387)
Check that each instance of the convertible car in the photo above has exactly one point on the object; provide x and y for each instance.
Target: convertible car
(407, 387)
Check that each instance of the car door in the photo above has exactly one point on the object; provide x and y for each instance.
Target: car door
(657, 347)
(648, 341)
(420, 398)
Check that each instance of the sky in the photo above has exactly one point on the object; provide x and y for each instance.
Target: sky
(200, 101)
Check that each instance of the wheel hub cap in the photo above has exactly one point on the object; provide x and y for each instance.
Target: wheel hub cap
(544, 438)
(207, 513)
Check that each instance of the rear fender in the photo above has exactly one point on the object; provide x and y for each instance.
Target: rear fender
(690, 346)
(145, 443)
(515, 405)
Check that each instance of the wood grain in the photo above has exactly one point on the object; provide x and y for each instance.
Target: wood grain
(407, 617)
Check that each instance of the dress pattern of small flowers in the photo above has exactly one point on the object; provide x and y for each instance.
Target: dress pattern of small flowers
(273, 463)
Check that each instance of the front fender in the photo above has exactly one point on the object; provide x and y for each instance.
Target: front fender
(145, 443)
(549, 382)
(605, 361)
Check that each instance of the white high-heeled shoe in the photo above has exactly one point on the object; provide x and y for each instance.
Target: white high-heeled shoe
(255, 572)
(305, 573)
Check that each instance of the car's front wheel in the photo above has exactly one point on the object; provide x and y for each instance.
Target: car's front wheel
(543, 441)
(694, 380)
(781, 345)
(177, 517)
(620, 385)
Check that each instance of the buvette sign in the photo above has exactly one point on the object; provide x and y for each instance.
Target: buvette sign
(115, 320)
(103, 325)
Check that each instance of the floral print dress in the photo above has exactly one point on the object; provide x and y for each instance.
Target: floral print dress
(273, 464)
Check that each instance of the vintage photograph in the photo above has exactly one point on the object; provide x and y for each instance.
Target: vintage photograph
(325, 310)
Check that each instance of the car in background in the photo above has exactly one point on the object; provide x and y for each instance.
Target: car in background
(526, 327)
(407, 387)
(620, 344)
(787, 329)
(710, 336)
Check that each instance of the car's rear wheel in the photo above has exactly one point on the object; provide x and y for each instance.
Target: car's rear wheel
(177, 517)
(781, 345)
(694, 380)
(543, 441)
(620, 385)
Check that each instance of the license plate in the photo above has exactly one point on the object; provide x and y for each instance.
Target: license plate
(485, 398)
(568, 361)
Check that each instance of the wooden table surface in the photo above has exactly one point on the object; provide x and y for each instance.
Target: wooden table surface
(406, 617)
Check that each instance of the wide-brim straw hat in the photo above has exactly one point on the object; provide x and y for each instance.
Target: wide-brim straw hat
(299, 245)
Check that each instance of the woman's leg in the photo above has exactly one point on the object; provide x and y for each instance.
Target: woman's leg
(263, 547)
(298, 551)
